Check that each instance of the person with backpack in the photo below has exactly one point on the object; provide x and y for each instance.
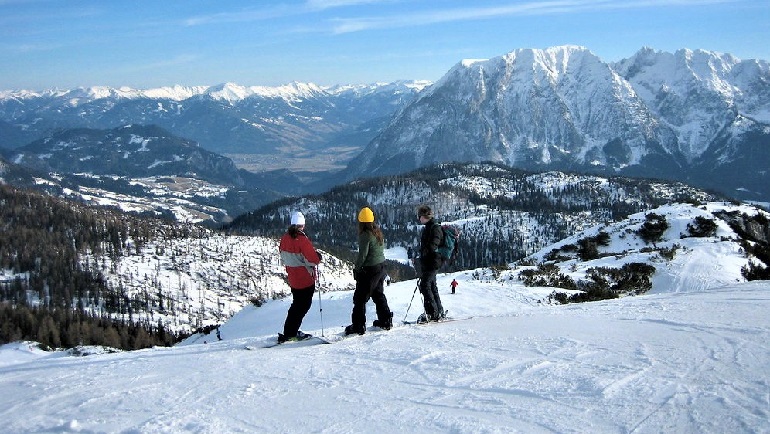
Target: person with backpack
(369, 272)
(300, 258)
(429, 262)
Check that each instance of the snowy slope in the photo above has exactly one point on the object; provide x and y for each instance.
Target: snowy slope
(698, 264)
(204, 281)
(684, 362)
(689, 356)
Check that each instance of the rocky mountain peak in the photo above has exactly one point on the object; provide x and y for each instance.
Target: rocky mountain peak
(564, 108)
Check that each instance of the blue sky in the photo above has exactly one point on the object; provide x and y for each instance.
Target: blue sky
(144, 44)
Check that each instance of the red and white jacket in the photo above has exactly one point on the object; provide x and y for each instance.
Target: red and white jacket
(300, 258)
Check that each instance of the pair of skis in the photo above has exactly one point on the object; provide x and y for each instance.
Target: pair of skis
(312, 340)
(318, 340)
(309, 340)
(442, 320)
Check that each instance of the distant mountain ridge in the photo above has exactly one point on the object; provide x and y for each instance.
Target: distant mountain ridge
(231, 92)
(259, 124)
(695, 116)
(139, 169)
(132, 150)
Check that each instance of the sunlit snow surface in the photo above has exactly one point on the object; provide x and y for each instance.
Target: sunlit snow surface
(662, 362)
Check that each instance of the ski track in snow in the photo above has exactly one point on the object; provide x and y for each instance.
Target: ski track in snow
(672, 362)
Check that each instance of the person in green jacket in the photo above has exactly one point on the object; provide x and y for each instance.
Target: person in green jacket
(369, 272)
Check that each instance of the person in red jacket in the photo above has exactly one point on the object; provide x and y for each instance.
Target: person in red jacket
(300, 258)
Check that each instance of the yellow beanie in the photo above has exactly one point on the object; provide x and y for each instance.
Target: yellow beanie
(366, 215)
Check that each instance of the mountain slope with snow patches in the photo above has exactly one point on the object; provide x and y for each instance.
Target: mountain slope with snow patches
(683, 262)
(689, 356)
(260, 127)
(563, 108)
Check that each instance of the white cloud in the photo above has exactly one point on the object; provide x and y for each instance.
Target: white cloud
(177, 60)
(328, 4)
(349, 25)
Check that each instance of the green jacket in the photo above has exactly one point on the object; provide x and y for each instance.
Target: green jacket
(370, 252)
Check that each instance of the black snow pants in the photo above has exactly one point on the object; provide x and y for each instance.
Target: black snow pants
(369, 284)
(302, 299)
(431, 299)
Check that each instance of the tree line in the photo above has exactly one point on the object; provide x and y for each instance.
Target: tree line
(65, 328)
(42, 239)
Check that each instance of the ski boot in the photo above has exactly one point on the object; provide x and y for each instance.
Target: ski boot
(385, 324)
(300, 336)
(354, 329)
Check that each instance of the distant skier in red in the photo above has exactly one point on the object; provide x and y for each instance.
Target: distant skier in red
(453, 285)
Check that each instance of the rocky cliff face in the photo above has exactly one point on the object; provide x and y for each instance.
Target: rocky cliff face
(654, 114)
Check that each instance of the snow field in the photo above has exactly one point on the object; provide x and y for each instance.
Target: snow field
(667, 362)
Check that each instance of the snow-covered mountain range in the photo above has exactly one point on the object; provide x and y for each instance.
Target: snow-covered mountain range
(695, 116)
(260, 127)
(228, 92)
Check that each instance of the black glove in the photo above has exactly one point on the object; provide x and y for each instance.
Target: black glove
(319, 256)
(417, 265)
(357, 275)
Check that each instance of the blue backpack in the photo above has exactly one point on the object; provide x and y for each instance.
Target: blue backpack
(448, 248)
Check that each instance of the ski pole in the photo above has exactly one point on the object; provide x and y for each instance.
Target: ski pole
(321, 309)
(320, 305)
(410, 301)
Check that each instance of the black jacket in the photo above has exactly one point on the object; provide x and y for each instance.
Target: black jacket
(431, 238)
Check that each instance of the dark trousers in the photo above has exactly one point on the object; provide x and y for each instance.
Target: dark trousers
(301, 301)
(370, 285)
(431, 299)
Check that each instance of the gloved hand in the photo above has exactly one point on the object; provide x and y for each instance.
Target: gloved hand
(357, 275)
(417, 265)
(320, 258)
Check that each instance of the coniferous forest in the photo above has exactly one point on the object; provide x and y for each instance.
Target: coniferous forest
(53, 251)
(516, 211)
(49, 296)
